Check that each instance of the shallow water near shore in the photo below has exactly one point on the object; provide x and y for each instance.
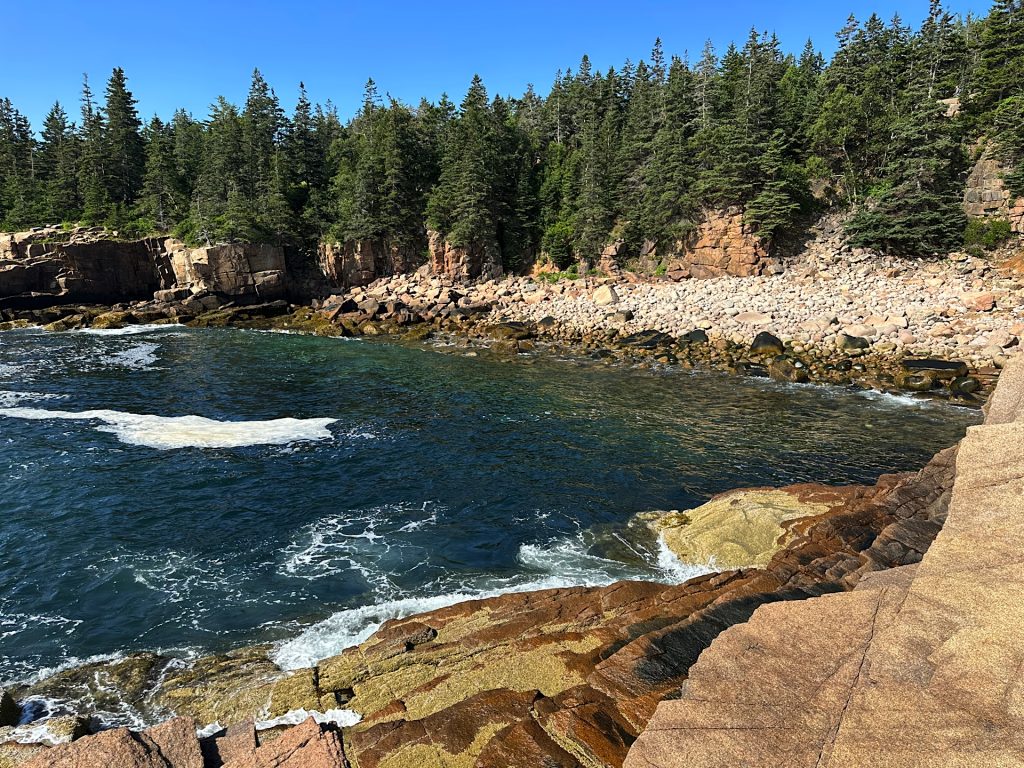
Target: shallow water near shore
(192, 491)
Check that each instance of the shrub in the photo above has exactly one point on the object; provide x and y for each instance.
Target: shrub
(987, 233)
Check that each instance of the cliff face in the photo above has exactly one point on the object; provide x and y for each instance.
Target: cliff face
(359, 262)
(463, 263)
(49, 267)
(724, 244)
(986, 194)
(918, 666)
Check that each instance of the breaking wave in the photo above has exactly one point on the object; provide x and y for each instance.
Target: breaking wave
(170, 432)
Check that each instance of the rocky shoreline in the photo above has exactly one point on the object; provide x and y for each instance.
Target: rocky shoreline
(564, 677)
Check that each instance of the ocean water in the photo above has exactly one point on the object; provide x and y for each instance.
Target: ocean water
(192, 491)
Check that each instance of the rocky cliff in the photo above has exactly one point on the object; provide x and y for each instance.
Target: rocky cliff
(463, 263)
(357, 263)
(987, 196)
(724, 244)
(49, 267)
(917, 666)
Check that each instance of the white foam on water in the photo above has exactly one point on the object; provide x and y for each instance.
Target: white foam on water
(139, 356)
(210, 730)
(9, 398)
(170, 432)
(889, 398)
(562, 563)
(679, 570)
(128, 330)
(344, 718)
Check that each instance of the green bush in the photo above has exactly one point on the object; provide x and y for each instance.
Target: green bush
(987, 233)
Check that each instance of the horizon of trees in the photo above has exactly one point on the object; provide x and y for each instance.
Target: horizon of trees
(635, 154)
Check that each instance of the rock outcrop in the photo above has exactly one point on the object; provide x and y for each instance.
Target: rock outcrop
(724, 244)
(247, 272)
(918, 666)
(50, 267)
(38, 273)
(174, 744)
(479, 261)
(359, 262)
(987, 196)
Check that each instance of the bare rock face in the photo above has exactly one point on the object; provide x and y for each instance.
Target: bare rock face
(917, 666)
(463, 264)
(724, 245)
(986, 194)
(246, 271)
(360, 262)
(38, 274)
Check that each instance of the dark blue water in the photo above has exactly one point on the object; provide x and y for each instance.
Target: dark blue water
(441, 476)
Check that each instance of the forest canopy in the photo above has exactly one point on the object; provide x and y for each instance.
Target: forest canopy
(885, 130)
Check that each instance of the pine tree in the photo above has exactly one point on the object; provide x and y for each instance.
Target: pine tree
(461, 206)
(161, 201)
(773, 208)
(918, 211)
(122, 145)
(57, 167)
(93, 161)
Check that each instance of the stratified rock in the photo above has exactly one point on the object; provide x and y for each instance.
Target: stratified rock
(915, 667)
(305, 746)
(724, 245)
(463, 263)
(360, 262)
(249, 271)
(170, 745)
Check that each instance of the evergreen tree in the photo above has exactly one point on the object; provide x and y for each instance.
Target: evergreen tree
(161, 200)
(122, 145)
(918, 211)
(57, 167)
(93, 160)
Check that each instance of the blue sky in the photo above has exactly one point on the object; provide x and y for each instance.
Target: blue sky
(188, 52)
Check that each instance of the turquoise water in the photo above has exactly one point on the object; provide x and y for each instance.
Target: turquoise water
(319, 486)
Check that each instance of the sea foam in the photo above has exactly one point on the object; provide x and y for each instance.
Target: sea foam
(559, 564)
(170, 432)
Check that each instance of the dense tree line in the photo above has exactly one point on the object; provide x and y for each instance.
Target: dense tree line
(886, 130)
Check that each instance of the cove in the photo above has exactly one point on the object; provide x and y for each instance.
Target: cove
(390, 479)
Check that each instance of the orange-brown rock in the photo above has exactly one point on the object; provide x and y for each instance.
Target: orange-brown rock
(463, 263)
(724, 244)
(987, 196)
(170, 745)
(360, 262)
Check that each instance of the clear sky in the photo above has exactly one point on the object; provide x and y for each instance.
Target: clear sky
(186, 53)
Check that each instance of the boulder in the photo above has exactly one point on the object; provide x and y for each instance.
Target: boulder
(940, 370)
(697, 336)
(767, 344)
(847, 343)
(514, 331)
(647, 340)
(605, 296)
(10, 712)
(753, 318)
(784, 369)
